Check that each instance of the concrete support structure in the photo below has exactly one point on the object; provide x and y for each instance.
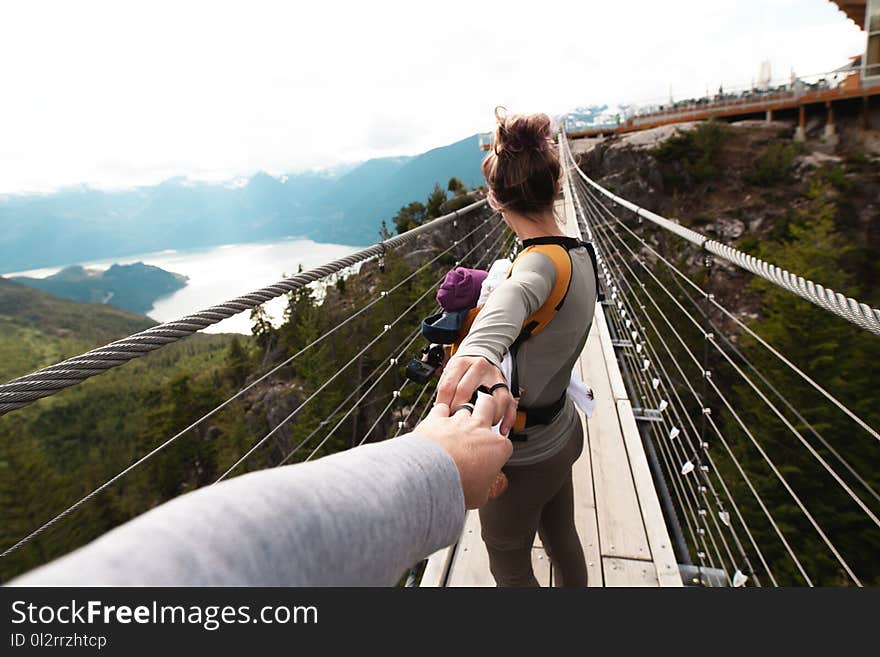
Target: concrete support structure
(769, 115)
(830, 136)
(800, 133)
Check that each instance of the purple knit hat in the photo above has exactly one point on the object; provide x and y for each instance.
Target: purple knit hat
(461, 288)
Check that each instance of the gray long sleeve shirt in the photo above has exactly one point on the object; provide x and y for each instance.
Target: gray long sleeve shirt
(357, 518)
(544, 361)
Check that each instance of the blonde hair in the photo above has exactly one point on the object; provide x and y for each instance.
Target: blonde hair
(523, 169)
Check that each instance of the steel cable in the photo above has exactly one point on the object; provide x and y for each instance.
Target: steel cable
(761, 395)
(751, 436)
(848, 308)
(685, 380)
(649, 394)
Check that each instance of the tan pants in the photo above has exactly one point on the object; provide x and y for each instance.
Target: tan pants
(539, 498)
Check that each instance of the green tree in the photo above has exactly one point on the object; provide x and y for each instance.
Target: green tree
(262, 330)
(238, 363)
(435, 202)
(410, 216)
(456, 186)
(773, 164)
(691, 157)
(29, 495)
(384, 233)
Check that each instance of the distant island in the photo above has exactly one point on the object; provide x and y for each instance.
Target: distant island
(128, 287)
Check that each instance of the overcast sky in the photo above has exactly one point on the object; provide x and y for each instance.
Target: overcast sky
(122, 93)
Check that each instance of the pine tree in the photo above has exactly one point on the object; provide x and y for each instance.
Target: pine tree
(435, 202)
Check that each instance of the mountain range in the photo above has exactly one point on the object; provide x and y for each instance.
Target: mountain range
(343, 206)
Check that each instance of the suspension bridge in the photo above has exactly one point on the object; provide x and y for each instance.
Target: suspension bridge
(664, 495)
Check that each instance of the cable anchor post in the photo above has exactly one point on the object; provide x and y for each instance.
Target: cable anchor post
(381, 260)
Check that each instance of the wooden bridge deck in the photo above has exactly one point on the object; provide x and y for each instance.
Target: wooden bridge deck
(617, 512)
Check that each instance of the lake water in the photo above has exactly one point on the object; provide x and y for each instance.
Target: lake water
(221, 273)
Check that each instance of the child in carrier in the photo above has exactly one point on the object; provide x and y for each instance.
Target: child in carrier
(461, 294)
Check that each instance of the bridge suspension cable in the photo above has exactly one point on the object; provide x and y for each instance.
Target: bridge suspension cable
(605, 225)
(774, 468)
(391, 364)
(631, 319)
(675, 473)
(715, 333)
(711, 340)
(848, 308)
(681, 276)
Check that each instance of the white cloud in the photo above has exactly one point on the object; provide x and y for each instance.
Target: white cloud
(118, 94)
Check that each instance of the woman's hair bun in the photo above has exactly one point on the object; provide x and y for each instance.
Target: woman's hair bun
(523, 169)
(517, 133)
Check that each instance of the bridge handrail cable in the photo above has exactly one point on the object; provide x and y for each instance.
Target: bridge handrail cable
(694, 517)
(431, 289)
(727, 313)
(757, 391)
(848, 308)
(712, 424)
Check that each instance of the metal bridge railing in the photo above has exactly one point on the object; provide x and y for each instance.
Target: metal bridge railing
(850, 309)
(723, 497)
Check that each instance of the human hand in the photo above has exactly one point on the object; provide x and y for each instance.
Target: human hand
(464, 374)
(478, 452)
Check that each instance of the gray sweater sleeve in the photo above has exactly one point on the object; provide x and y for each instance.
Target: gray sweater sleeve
(500, 321)
(357, 518)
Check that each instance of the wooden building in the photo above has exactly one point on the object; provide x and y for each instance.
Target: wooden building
(866, 15)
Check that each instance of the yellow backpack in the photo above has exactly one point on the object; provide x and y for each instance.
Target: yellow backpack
(557, 249)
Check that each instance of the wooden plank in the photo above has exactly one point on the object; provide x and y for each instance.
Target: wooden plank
(652, 515)
(437, 567)
(629, 572)
(470, 565)
(585, 511)
(621, 531)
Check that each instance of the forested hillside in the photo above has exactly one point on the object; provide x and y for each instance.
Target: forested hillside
(56, 450)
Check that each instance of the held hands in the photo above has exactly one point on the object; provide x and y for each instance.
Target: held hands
(478, 452)
(463, 375)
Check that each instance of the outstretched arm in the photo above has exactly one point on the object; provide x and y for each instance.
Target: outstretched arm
(357, 518)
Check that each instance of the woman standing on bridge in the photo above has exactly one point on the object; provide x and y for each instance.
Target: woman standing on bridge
(523, 174)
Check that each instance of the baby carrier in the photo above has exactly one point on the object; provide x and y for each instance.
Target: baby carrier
(557, 249)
